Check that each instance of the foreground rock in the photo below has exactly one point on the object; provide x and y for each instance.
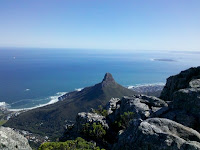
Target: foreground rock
(143, 106)
(112, 105)
(11, 140)
(158, 134)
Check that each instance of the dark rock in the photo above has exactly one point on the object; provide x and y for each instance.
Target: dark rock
(108, 79)
(158, 134)
(180, 81)
(184, 108)
(188, 100)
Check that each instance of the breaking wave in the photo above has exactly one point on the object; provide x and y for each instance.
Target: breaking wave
(79, 89)
(51, 100)
(4, 105)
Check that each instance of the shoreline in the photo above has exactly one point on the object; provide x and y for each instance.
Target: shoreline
(53, 99)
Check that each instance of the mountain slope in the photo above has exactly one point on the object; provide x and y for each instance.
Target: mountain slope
(50, 120)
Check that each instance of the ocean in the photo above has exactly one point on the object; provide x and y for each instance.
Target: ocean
(32, 77)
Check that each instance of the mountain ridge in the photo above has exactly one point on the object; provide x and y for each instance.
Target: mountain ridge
(52, 118)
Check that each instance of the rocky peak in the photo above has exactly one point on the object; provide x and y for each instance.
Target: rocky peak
(108, 79)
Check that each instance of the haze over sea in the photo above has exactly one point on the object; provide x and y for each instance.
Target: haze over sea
(31, 77)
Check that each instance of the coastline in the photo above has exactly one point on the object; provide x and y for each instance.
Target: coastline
(53, 99)
(147, 87)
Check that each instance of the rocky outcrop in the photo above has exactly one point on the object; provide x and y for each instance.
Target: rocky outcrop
(142, 106)
(112, 105)
(194, 83)
(11, 140)
(158, 134)
(185, 108)
(188, 100)
(83, 118)
(180, 81)
(183, 90)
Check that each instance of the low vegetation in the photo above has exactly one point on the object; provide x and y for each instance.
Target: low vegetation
(94, 130)
(78, 144)
(2, 122)
(101, 111)
(124, 120)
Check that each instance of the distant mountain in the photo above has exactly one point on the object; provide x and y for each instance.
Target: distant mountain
(50, 120)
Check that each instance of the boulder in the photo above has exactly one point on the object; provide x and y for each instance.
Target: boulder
(184, 108)
(181, 117)
(112, 105)
(195, 83)
(142, 106)
(188, 100)
(158, 134)
(12, 140)
(113, 110)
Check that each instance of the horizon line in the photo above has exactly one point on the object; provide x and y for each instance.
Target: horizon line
(111, 49)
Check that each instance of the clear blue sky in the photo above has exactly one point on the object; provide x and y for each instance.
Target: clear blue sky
(101, 24)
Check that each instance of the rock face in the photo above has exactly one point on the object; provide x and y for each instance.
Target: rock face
(11, 140)
(142, 106)
(188, 100)
(183, 90)
(180, 81)
(158, 134)
(112, 105)
(185, 108)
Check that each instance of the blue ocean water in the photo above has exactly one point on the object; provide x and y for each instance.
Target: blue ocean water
(30, 77)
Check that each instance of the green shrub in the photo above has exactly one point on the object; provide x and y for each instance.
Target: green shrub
(101, 111)
(124, 119)
(78, 144)
(94, 130)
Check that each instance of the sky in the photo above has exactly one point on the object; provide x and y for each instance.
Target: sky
(101, 24)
